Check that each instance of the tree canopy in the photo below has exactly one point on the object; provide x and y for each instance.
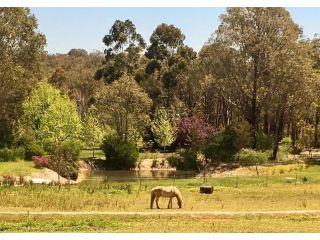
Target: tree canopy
(253, 84)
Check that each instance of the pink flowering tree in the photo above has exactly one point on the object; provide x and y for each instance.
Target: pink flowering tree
(193, 131)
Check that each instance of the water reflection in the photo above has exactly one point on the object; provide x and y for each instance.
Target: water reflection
(133, 175)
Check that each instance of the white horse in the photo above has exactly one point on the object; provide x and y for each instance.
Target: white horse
(168, 192)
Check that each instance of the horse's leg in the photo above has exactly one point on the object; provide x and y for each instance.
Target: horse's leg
(157, 199)
(170, 203)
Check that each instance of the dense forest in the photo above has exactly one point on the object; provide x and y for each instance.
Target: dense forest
(252, 90)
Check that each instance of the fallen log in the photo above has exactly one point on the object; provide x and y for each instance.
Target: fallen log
(206, 189)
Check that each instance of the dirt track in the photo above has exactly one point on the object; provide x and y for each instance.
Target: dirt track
(173, 212)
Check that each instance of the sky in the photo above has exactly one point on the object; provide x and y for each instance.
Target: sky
(67, 28)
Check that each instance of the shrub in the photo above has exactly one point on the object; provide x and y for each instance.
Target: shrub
(64, 158)
(220, 147)
(250, 157)
(285, 145)
(14, 154)
(175, 161)
(264, 141)
(119, 155)
(73, 148)
(242, 135)
(189, 159)
(306, 139)
(40, 161)
(19, 153)
(32, 148)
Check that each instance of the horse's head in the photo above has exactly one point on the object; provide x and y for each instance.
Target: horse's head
(179, 198)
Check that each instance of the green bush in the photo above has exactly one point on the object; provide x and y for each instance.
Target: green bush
(14, 154)
(250, 157)
(241, 135)
(175, 161)
(74, 149)
(119, 155)
(264, 142)
(285, 145)
(32, 148)
(220, 147)
(64, 157)
(189, 159)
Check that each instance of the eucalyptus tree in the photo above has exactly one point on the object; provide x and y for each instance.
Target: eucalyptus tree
(73, 74)
(21, 52)
(124, 46)
(93, 132)
(250, 49)
(315, 55)
(168, 58)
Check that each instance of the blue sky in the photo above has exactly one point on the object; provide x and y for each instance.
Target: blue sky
(67, 28)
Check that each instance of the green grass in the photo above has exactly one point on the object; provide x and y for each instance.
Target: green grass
(87, 154)
(153, 155)
(278, 191)
(161, 224)
(20, 168)
(231, 194)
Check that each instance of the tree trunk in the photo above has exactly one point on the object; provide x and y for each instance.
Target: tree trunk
(266, 124)
(226, 114)
(126, 129)
(278, 133)
(257, 170)
(316, 129)
(254, 122)
(293, 133)
(254, 106)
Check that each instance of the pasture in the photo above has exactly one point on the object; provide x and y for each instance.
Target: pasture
(282, 191)
(160, 224)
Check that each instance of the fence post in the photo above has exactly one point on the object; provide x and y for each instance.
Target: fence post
(237, 182)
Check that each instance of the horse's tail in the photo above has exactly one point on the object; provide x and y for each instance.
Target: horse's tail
(179, 198)
(153, 196)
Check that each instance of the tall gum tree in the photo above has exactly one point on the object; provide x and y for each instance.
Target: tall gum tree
(169, 59)
(21, 52)
(124, 46)
(247, 48)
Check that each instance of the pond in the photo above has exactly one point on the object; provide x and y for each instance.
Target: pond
(133, 175)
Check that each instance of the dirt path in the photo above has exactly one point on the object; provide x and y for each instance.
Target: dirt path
(173, 212)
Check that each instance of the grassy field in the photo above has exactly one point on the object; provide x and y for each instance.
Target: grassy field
(280, 188)
(275, 192)
(85, 154)
(19, 168)
(153, 155)
(160, 224)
